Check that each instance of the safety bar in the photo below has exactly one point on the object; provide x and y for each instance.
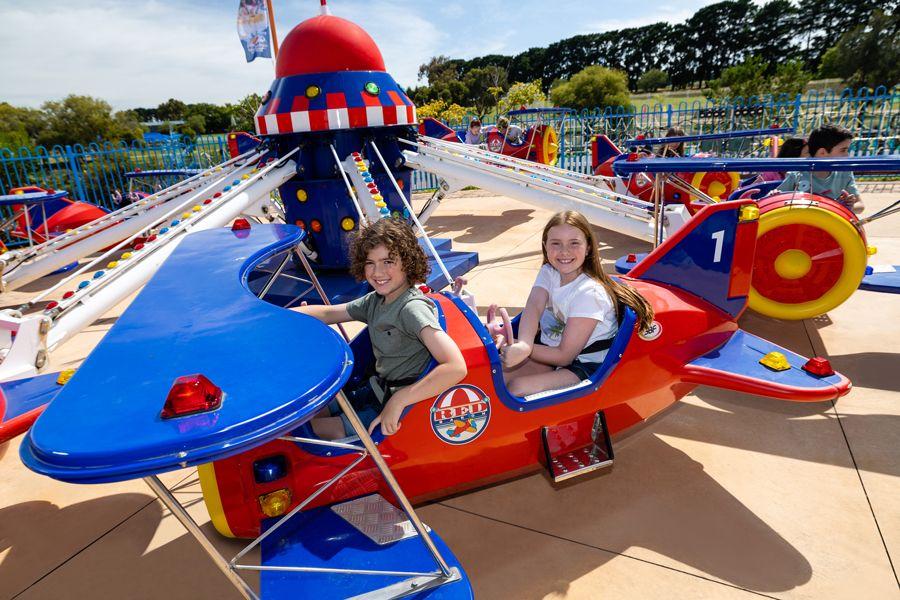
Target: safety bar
(863, 164)
(725, 135)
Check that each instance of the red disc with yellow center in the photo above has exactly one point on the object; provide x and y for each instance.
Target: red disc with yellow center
(810, 256)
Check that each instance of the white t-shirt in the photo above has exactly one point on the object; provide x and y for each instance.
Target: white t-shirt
(583, 297)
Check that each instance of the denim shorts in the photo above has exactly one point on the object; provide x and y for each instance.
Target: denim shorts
(583, 370)
(363, 400)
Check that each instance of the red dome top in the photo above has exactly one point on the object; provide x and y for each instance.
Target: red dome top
(325, 44)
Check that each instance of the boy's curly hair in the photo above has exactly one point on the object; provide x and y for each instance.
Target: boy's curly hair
(400, 241)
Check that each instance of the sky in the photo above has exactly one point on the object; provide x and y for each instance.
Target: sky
(135, 53)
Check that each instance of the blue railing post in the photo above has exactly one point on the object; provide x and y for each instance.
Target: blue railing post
(75, 170)
(669, 117)
(798, 102)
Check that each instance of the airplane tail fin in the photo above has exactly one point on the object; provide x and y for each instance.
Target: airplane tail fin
(711, 256)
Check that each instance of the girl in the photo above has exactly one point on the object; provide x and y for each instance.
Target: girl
(574, 306)
(672, 148)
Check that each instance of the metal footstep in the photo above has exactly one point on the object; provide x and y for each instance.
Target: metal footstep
(574, 449)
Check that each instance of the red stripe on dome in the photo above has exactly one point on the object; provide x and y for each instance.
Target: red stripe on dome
(395, 97)
(410, 114)
(369, 99)
(284, 122)
(358, 116)
(318, 120)
(261, 125)
(336, 100)
(390, 115)
(300, 103)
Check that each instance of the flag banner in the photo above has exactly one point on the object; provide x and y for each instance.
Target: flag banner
(253, 29)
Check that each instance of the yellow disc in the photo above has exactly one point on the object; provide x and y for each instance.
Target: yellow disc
(186, 216)
(347, 224)
(793, 264)
(301, 195)
(196, 208)
(126, 256)
(112, 264)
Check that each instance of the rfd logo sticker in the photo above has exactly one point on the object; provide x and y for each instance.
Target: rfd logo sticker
(652, 332)
(460, 414)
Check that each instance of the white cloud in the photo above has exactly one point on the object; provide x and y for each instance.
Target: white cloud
(134, 54)
(142, 53)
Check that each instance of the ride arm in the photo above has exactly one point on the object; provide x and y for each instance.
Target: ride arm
(575, 337)
(451, 369)
(327, 313)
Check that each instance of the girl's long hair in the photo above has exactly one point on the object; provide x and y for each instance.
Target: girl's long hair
(619, 292)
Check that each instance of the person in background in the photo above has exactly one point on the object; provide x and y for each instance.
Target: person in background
(512, 134)
(794, 147)
(473, 133)
(673, 148)
(828, 141)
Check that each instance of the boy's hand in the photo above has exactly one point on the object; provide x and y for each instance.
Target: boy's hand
(389, 419)
(515, 353)
(848, 199)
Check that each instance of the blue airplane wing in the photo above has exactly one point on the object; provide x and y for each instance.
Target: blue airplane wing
(195, 315)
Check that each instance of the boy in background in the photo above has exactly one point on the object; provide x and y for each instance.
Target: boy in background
(828, 141)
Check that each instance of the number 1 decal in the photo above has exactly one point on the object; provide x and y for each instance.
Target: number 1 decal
(719, 236)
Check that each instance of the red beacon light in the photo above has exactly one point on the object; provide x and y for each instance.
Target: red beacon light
(191, 394)
(240, 225)
(818, 366)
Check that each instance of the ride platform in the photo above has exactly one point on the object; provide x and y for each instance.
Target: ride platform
(726, 496)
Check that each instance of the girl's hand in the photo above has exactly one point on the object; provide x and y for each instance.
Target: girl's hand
(515, 353)
(389, 419)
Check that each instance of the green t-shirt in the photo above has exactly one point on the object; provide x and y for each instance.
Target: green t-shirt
(394, 330)
(830, 186)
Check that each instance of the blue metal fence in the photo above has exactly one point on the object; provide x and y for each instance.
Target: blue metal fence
(94, 171)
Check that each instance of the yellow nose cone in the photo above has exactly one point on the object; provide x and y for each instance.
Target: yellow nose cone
(793, 264)
(716, 188)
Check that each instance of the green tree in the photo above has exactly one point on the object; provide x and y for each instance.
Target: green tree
(790, 78)
(821, 23)
(171, 110)
(652, 80)
(243, 112)
(193, 126)
(83, 119)
(216, 119)
(775, 37)
(444, 81)
(439, 109)
(593, 86)
(868, 54)
(19, 126)
(522, 94)
(744, 80)
(485, 85)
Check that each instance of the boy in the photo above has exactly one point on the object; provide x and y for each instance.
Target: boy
(403, 328)
(828, 141)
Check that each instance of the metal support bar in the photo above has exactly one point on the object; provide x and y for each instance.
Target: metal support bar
(274, 276)
(319, 288)
(166, 497)
(385, 470)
